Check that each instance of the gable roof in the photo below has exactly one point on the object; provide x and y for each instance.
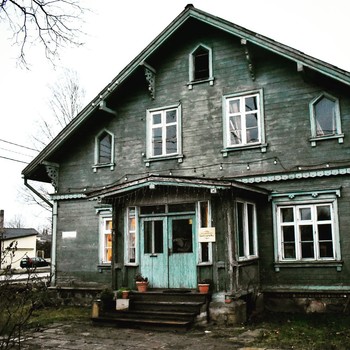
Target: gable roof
(189, 12)
(13, 233)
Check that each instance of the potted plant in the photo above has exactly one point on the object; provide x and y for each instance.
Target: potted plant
(141, 283)
(204, 285)
(123, 293)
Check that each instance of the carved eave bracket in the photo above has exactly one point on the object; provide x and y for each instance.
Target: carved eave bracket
(52, 172)
(249, 58)
(150, 74)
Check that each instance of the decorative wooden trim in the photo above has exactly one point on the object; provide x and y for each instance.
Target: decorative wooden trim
(68, 196)
(249, 58)
(150, 74)
(294, 175)
(52, 172)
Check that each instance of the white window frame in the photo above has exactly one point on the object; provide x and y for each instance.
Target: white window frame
(247, 244)
(200, 225)
(131, 212)
(191, 72)
(104, 218)
(163, 125)
(300, 200)
(313, 121)
(111, 163)
(228, 146)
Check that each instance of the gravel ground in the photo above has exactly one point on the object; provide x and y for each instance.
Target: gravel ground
(86, 336)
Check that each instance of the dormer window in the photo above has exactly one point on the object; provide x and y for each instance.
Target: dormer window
(325, 119)
(104, 146)
(200, 66)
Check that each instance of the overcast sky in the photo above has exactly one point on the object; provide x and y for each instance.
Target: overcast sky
(116, 31)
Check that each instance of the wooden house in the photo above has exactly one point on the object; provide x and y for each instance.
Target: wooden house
(217, 153)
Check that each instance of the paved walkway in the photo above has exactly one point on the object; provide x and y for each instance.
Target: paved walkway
(85, 336)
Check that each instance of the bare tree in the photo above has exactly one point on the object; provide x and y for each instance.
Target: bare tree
(16, 222)
(67, 99)
(51, 23)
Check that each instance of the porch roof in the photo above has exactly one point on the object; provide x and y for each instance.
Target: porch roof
(153, 180)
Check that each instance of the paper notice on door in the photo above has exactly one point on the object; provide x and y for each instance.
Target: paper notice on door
(206, 234)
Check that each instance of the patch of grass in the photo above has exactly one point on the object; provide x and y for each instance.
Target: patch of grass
(48, 315)
(304, 331)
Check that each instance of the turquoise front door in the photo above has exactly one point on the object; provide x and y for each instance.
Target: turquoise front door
(168, 251)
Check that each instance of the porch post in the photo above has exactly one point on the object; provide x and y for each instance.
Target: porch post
(230, 247)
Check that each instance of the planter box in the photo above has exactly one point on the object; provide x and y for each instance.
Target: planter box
(122, 304)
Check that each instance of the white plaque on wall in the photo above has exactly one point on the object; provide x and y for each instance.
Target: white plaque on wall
(206, 234)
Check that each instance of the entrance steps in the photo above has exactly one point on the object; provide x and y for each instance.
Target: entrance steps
(159, 309)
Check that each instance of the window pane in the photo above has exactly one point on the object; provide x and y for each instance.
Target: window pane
(152, 209)
(287, 214)
(182, 236)
(251, 120)
(251, 104)
(158, 236)
(307, 250)
(201, 63)
(181, 207)
(252, 135)
(171, 116)
(171, 139)
(132, 247)
(204, 212)
(251, 229)
(288, 234)
(323, 212)
(132, 222)
(108, 225)
(240, 228)
(305, 213)
(326, 250)
(157, 141)
(325, 117)
(289, 251)
(325, 232)
(205, 251)
(235, 130)
(108, 247)
(148, 237)
(234, 106)
(157, 118)
(306, 233)
(105, 146)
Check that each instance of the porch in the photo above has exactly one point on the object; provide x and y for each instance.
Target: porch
(156, 309)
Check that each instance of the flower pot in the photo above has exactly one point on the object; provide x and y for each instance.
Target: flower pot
(125, 294)
(203, 288)
(142, 286)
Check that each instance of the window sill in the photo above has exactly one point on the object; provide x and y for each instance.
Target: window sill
(262, 146)
(314, 140)
(295, 264)
(97, 166)
(179, 158)
(196, 82)
(104, 267)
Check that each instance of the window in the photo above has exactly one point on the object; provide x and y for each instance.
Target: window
(246, 230)
(106, 240)
(307, 229)
(325, 119)
(163, 132)
(200, 65)
(243, 121)
(104, 146)
(131, 236)
(204, 220)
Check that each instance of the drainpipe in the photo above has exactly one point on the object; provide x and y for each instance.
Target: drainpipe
(53, 244)
(37, 193)
(54, 229)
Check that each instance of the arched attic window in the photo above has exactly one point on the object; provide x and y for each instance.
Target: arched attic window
(104, 150)
(200, 66)
(325, 119)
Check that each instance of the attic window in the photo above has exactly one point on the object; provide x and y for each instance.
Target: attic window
(325, 119)
(200, 66)
(104, 146)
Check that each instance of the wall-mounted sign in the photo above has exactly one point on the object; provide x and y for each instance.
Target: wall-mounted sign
(206, 234)
(69, 234)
